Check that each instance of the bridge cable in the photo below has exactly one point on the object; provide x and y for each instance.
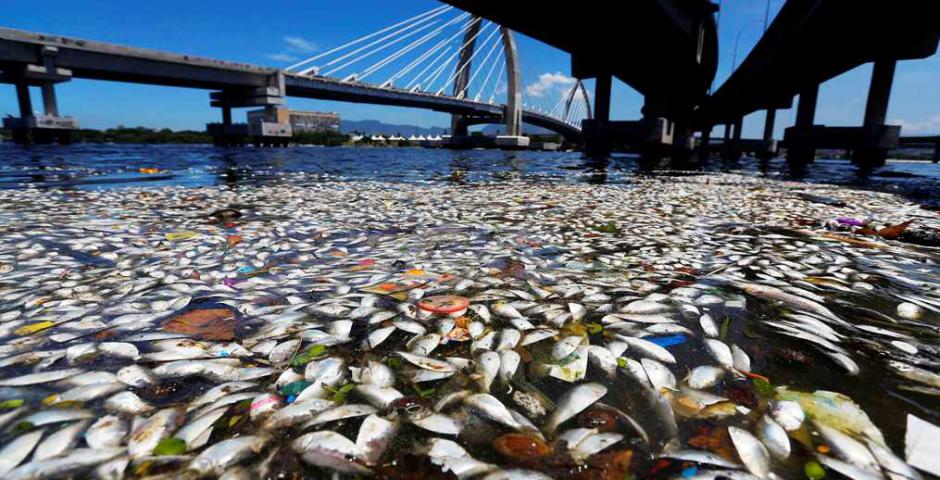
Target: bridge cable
(489, 75)
(406, 49)
(403, 37)
(499, 80)
(483, 63)
(436, 72)
(415, 82)
(435, 11)
(462, 47)
(476, 52)
(404, 71)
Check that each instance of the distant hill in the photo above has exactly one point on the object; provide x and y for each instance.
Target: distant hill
(375, 127)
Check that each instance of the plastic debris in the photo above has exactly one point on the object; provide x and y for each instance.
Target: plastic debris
(181, 236)
(922, 445)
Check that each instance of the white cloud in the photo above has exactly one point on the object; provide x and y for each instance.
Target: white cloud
(931, 125)
(296, 48)
(282, 57)
(548, 84)
(301, 44)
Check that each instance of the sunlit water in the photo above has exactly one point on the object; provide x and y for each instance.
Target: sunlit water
(109, 166)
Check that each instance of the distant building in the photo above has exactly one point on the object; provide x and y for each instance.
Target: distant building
(300, 121)
(314, 121)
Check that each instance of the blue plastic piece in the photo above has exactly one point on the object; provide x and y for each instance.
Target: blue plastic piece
(668, 340)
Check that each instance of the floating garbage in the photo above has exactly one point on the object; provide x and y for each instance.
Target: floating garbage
(922, 445)
(677, 327)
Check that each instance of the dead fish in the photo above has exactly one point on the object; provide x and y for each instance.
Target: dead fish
(752, 452)
(76, 461)
(60, 441)
(148, 433)
(107, 432)
(15, 451)
(647, 348)
(220, 456)
(490, 407)
(572, 403)
(331, 450)
(704, 377)
(40, 378)
(774, 437)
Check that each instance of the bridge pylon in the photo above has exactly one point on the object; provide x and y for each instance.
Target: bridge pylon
(267, 126)
(512, 114)
(48, 126)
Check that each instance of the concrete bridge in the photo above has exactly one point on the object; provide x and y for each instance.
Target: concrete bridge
(923, 142)
(37, 59)
(808, 43)
(665, 49)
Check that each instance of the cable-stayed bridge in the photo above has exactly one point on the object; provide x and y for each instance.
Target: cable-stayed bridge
(442, 59)
(465, 63)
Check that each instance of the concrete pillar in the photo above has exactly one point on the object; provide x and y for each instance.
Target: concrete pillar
(602, 89)
(597, 137)
(769, 124)
(227, 115)
(50, 106)
(463, 68)
(732, 147)
(800, 147)
(806, 109)
(870, 153)
(49, 103)
(768, 148)
(513, 114)
(23, 98)
(704, 148)
(458, 127)
(683, 140)
(738, 126)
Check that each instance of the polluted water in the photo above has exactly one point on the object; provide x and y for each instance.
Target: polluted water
(676, 326)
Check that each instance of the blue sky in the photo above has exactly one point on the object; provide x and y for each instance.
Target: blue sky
(269, 34)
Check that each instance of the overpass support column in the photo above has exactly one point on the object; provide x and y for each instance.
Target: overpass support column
(736, 141)
(769, 146)
(801, 145)
(726, 140)
(267, 126)
(876, 137)
(683, 141)
(20, 133)
(769, 124)
(47, 127)
(602, 89)
(23, 99)
(732, 146)
(597, 138)
(704, 148)
(226, 115)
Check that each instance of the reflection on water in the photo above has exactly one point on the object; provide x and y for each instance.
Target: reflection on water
(108, 166)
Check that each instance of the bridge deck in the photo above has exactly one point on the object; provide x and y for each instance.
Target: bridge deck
(105, 61)
(811, 41)
(662, 48)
